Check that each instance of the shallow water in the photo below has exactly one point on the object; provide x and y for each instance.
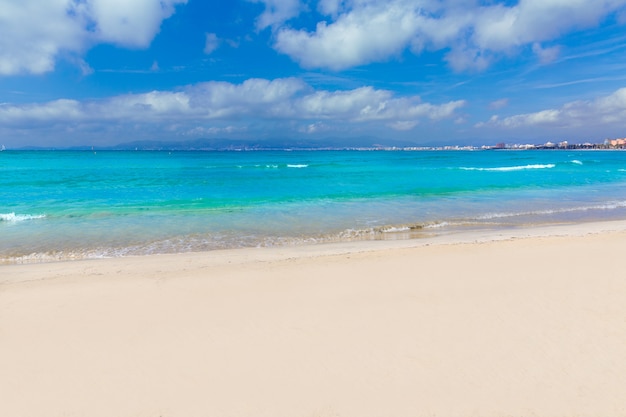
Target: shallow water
(67, 205)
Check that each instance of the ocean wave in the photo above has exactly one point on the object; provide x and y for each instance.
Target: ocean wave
(58, 256)
(513, 168)
(577, 162)
(398, 228)
(297, 166)
(15, 218)
(258, 166)
(456, 224)
(439, 225)
(606, 206)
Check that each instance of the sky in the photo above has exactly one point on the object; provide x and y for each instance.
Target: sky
(421, 72)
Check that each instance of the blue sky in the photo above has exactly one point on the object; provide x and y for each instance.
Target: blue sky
(103, 72)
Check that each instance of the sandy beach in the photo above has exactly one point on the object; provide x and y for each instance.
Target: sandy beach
(527, 322)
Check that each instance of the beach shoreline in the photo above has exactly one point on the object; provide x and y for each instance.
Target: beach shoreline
(122, 204)
(407, 240)
(521, 322)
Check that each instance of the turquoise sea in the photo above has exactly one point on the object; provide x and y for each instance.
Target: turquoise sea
(68, 205)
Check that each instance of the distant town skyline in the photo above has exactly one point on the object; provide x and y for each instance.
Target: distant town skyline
(408, 72)
(321, 145)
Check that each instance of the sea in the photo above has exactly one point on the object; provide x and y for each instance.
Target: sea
(63, 205)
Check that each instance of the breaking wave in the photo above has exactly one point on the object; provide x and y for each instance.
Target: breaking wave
(16, 218)
(513, 168)
(607, 206)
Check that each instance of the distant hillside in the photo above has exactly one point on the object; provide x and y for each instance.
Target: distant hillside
(222, 144)
(230, 144)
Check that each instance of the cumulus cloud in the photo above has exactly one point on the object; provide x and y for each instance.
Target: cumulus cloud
(359, 32)
(331, 7)
(148, 106)
(219, 100)
(33, 47)
(128, 23)
(277, 11)
(52, 111)
(254, 100)
(371, 33)
(603, 111)
(34, 34)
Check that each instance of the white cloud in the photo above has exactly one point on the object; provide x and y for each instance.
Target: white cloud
(314, 128)
(499, 104)
(34, 33)
(199, 131)
(331, 7)
(372, 33)
(53, 111)
(211, 43)
(254, 96)
(277, 11)
(469, 59)
(602, 111)
(403, 125)
(368, 104)
(129, 23)
(538, 20)
(546, 55)
(354, 104)
(155, 104)
(254, 100)
(363, 31)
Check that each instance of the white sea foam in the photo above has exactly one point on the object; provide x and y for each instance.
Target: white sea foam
(15, 218)
(398, 228)
(297, 166)
(439, 225)
(606, 206)
(453, 224)
(394, 229)
(576, 161)
(513, 168)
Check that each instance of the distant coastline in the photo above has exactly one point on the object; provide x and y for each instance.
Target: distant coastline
(223, 145)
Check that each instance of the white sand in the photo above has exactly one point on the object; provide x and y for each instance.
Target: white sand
(486, 326)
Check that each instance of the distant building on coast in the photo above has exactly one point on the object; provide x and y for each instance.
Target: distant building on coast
(616, 143)
(608, 144)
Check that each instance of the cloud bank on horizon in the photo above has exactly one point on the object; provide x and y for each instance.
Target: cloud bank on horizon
(419, 71)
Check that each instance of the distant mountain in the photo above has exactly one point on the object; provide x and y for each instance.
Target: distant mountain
(205, 144)
(223, 144)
